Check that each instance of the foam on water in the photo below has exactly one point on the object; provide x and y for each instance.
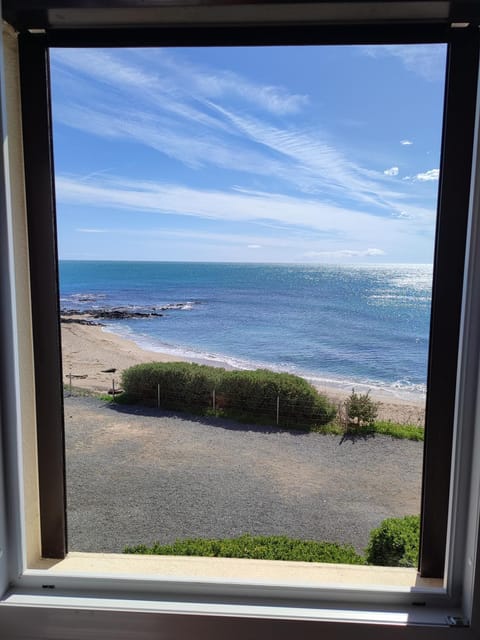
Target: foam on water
(399, 389)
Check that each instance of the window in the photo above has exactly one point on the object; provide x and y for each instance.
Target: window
(232, 237)
(443, 362)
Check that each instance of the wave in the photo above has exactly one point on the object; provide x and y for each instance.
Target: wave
(83, 297)
(86, 301)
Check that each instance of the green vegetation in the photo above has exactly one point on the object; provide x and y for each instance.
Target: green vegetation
(183, 385)
(402, 431)
(80, 392)
(360, 411)
(395, 543)
(258, 397)
(251, 394)
(261, 396)
(257, 547)
(386, 428)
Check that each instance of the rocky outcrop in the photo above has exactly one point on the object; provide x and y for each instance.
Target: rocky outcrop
(106, 314)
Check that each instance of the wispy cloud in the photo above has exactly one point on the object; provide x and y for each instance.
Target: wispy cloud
(179, 118)
(176, 79)
(220, 84)
(187, 143)
(315, 164)
(393, 171)
(425, 60)
(271, 168)
(231, 205)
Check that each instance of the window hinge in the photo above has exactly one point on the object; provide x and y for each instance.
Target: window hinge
(36, 31)
(459, 25)
(456, 621)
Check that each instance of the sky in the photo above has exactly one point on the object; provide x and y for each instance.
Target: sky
(262, 154)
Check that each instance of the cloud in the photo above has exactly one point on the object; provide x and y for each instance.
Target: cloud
(425, 60)
(232, 205)
(177, 78)
(346, 253)
(173, 111)
(185, 143)
(406, 143)
(433, 174)
(204, 118)
(92, 230)
(218, 83)
(427, 176)
(316, 165)
(254, 246)
(393, 171)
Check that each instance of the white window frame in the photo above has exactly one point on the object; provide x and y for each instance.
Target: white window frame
(104, 606)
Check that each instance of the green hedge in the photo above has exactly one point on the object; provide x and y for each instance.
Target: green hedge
(183, 385)
(243, 395)
(255, 393)
(256, 547)
(395, 543)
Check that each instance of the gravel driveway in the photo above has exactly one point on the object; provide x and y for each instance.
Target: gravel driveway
(136, 475)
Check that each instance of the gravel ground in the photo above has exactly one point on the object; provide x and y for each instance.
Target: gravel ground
(136, 475)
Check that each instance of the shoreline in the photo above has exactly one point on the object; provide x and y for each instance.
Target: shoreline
(88, 351)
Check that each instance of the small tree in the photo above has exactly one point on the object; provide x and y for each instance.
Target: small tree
(360, 411)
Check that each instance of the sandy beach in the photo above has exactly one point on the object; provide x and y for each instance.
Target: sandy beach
(88, 351)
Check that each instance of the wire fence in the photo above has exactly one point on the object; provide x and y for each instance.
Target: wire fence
(273, 409)
(270, 409)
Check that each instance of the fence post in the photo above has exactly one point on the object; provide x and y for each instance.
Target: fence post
(113, 388)
(158, 396)
(213, 399)
(278, 410)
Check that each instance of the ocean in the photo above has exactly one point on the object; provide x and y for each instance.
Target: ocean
(361, 326)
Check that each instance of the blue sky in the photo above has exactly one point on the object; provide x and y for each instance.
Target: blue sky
(275, 154)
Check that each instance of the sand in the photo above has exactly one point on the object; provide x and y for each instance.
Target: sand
(90, 350)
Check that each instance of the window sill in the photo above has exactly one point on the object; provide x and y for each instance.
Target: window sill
(271, 572)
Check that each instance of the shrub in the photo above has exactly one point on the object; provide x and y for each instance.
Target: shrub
(395, 543)
(255, 393)
(183, 385)
(360, 411)
(243, 395)
(257, 547)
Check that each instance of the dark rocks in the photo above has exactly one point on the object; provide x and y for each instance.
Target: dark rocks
(90, 323)
(106, 314)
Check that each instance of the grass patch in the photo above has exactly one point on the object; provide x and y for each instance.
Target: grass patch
(256, 547)
(80, 392)
(401, 431)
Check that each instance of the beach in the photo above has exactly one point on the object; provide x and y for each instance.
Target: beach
(89, 351)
